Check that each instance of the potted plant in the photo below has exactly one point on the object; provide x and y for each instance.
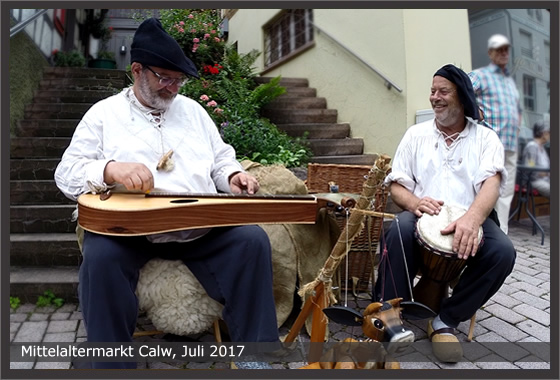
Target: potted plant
(72, 58)
(105, 58)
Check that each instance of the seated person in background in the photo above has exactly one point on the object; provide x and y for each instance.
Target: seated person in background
(122, 142)
(535, 155)
(449, 160)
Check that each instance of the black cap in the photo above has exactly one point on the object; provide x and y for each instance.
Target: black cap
(464, 88)
(153, 46)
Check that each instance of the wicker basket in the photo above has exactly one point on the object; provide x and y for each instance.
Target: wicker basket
(361, 256)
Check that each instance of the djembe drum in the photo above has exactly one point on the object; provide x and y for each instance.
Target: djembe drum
(439, 265)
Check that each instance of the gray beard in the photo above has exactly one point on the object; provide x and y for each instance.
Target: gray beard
(152, 98)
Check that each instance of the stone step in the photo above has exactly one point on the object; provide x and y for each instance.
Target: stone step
(42, 192)
(285, 82)
(70, 96)
(297, 103)
(28, 283)
(44, 249)
(301, 116)
(30, 168)
(335, 147)
(82, 72)
(317, 130)
(46, 127)
(38, 147)
(292, 92)
(55, 110)
(354, 159)
(42, 218)
(81, 84)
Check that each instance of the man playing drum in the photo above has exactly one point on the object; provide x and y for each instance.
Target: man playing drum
(449, 160)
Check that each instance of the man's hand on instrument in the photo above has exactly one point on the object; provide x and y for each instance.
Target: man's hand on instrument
(132, 175)
(465, 241)
(427, 205)
(243, 182)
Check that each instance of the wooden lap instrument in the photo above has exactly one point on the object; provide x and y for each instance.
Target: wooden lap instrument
(134, 214)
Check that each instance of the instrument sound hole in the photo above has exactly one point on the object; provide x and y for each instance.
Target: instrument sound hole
(183, 201)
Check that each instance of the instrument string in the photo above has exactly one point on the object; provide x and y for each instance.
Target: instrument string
(385, 263)
(347, 251)
(404, 259)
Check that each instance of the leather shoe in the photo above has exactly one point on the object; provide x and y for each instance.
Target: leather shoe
(451, 351)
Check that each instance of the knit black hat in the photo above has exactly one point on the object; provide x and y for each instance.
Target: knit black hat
(153, 46)
(464, 88)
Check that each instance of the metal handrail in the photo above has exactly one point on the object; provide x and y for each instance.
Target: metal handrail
(388, 82)
(22, 24)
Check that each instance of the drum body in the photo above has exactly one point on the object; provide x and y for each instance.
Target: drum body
(439, 264)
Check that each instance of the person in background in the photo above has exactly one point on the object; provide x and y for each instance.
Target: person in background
(149, 137)
(534, 154)
(498, 98)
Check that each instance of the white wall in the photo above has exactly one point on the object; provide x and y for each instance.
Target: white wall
(407, 46)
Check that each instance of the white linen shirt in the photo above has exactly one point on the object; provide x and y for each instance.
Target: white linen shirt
(116, 129)
(426, 166)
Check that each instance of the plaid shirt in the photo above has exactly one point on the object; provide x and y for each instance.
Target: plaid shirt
(498, 97)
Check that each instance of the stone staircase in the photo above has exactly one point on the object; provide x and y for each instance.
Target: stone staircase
(44, 254)
(299, 110)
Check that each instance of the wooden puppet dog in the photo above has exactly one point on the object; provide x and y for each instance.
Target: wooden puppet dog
(381, 322)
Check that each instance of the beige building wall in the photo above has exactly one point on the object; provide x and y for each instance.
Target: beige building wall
(433, 38)
(406, 46)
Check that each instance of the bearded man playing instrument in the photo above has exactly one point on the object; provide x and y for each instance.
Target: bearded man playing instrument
(148, 136)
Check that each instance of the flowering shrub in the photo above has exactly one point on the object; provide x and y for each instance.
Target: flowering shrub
(197, 31)
(227, 90)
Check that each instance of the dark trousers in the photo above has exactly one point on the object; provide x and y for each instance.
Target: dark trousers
(482, 278)
(233, 264)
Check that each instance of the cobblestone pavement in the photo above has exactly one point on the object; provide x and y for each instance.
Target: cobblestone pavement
(519, 312)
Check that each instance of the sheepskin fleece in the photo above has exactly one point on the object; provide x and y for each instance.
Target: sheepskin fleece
(174, 299)
(176, 303)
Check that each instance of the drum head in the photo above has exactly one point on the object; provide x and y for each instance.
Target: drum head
(429, 226)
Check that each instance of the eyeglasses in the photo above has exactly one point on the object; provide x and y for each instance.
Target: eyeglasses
(164, 81)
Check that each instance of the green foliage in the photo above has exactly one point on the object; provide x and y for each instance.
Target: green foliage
(228, 91)
(197, 32)
(233, 99)
(104, 54)
(72, 58)
(48, 298)
(25, 64)
(14, 302)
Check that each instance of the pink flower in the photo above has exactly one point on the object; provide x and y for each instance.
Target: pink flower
(218, 110)
(204, 98)
(195, 48)
(216, 39)
(206, 36)
(213, 31)
(193, 30)
(212, 103)
(190, 16)
(181, 30)
(181, 23)
(196, 40)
